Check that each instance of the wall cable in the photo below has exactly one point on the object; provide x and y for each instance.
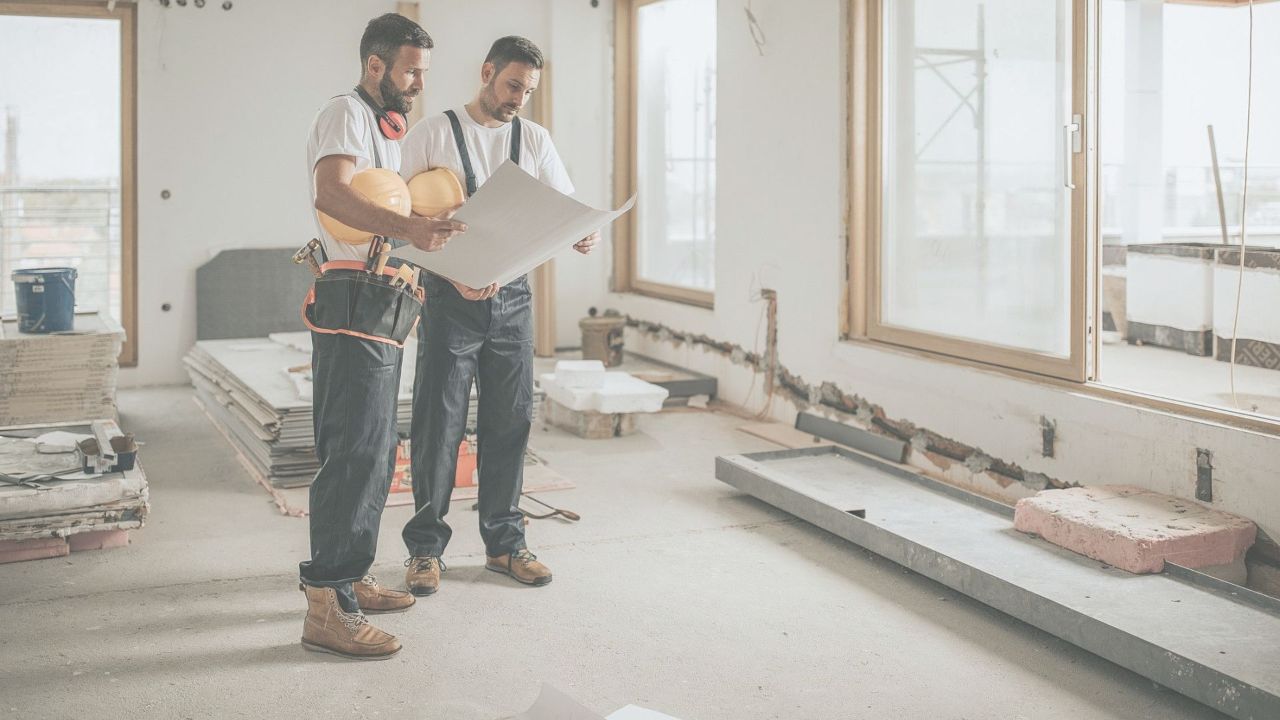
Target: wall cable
(1244, 200)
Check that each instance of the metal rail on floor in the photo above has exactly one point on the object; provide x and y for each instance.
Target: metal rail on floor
(1200, 637)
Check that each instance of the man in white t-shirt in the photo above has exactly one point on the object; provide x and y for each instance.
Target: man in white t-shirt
(357, 375)
(484, 334)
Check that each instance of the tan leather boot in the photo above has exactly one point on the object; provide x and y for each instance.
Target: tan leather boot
(423, 575)
(521, 565)
(376, 600)
(329, 629)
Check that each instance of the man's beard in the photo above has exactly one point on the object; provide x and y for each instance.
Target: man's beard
(489, 103)
(392, 98)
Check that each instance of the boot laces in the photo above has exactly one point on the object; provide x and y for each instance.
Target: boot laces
(369, 580)
(353, 621)
(524, 557)
(425, 563)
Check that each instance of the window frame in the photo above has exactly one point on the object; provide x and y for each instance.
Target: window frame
(126, 14)
(625, 181)
(862, 217)
(865, 209)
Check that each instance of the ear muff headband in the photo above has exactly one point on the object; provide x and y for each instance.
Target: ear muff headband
(391, 123)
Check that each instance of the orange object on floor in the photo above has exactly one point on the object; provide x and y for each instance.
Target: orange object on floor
(402, 478)
(466, 474)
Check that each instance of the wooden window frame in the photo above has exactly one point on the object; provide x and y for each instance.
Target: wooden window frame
(862, 218)
(625, 182)
(126, 13)
(866, 163)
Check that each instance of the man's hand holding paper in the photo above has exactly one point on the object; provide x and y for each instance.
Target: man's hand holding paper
(514, 224)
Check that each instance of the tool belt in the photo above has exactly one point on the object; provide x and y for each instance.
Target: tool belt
(347, 299)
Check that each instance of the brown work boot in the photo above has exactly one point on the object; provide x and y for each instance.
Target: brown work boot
(423, 575)
(375, 599)
(329, 629)
(521, 565)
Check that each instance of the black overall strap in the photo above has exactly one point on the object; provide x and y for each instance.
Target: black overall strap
(466, 156)
(462, 152)
(515, 139)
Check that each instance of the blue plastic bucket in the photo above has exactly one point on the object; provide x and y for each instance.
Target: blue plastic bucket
(46, 299)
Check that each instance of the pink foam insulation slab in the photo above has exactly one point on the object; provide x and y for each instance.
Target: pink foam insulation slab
(34, 549)
(98, 540)
(1135, 529)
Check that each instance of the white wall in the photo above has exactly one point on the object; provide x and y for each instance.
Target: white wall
(581, 57)
(225, 100)
(782, 183)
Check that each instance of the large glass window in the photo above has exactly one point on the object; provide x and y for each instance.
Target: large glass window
(1174, 97)
(1057, 186)
(62, 184)
(672, 123)
(978, 146)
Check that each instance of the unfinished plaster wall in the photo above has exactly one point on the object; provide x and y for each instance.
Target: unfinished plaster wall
(781, 187)
(222, 127)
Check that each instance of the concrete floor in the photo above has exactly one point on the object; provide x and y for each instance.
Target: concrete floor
(1189, 378)
(674, 592)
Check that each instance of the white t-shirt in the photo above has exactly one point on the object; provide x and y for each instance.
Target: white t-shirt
(347, 126)
(430, 145)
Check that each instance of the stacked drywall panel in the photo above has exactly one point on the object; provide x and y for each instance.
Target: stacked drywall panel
(258, 393)
(59, 377)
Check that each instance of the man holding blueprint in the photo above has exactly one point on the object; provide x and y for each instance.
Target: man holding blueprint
(478, 317)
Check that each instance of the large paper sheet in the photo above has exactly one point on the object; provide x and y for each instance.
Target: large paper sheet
(514, 224)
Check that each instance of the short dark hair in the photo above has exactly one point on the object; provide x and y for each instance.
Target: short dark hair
(386, 34)
(513, 48)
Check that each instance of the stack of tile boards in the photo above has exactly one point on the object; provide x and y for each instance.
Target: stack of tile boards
(48, 509)
(46, 379)
(257, 391)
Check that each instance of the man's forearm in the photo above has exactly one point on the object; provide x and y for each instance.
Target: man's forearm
(344, 204)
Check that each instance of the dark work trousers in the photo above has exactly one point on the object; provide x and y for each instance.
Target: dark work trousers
(490, 341)
(355, 384)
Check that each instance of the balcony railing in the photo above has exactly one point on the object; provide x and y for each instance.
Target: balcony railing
(63, 226)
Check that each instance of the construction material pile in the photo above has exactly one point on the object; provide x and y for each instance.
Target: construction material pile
(54, 499)
(59, 377)
(257, 391)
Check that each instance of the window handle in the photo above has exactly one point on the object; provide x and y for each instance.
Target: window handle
(1070, 146)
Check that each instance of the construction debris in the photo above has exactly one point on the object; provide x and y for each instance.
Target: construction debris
(46, 497)
(1138, 530)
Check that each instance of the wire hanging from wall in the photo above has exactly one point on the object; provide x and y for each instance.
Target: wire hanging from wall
(1244, 200)
(757, 32)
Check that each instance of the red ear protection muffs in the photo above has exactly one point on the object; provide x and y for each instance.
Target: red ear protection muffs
(391, 123)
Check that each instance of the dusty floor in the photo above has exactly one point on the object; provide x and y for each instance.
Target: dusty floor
(674, 592)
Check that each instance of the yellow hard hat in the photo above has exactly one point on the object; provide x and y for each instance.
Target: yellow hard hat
(435, 191)
(382, 187)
